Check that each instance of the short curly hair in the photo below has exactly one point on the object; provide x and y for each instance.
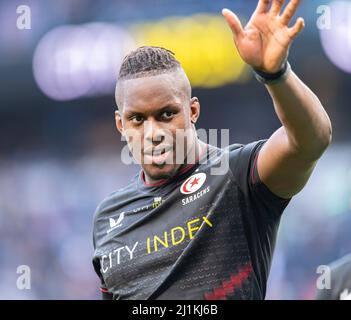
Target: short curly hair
(147, 61)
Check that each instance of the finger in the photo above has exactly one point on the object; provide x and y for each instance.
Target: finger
(233, 22)
(276, 7)
(296, 28)
(262, 6)
(290, 11)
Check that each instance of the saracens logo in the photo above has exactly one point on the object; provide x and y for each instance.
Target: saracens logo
(193, 183)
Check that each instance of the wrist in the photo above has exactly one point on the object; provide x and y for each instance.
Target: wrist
(272, 78)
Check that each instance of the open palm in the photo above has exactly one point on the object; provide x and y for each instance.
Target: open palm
(264, 42)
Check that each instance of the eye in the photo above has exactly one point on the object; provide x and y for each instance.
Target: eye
(168, 114)
(137, 119)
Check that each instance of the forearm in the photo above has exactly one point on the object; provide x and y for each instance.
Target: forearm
(306, 122)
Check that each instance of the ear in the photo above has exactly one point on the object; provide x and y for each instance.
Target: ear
(194, 109)
(118, 121)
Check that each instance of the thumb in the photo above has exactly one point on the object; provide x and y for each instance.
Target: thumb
(233, 22)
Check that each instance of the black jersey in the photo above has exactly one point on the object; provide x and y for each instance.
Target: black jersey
(340, 284)
(198, 235)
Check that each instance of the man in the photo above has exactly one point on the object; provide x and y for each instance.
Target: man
(178, 231)
(340, 276)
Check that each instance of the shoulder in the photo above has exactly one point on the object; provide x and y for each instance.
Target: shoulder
(239, 149)
(242, 156)
(109, 204)
(112, 200)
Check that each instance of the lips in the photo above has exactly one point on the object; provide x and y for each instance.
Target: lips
(157, 155)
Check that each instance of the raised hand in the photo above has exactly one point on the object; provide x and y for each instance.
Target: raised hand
(264, 42)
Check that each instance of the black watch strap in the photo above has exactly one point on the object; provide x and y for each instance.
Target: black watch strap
(271, 78)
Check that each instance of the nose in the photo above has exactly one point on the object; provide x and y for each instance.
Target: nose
(154, 133)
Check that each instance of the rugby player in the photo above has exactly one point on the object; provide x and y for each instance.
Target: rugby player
(178, 230)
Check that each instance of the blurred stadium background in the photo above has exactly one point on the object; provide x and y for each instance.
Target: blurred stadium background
(60, 152)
